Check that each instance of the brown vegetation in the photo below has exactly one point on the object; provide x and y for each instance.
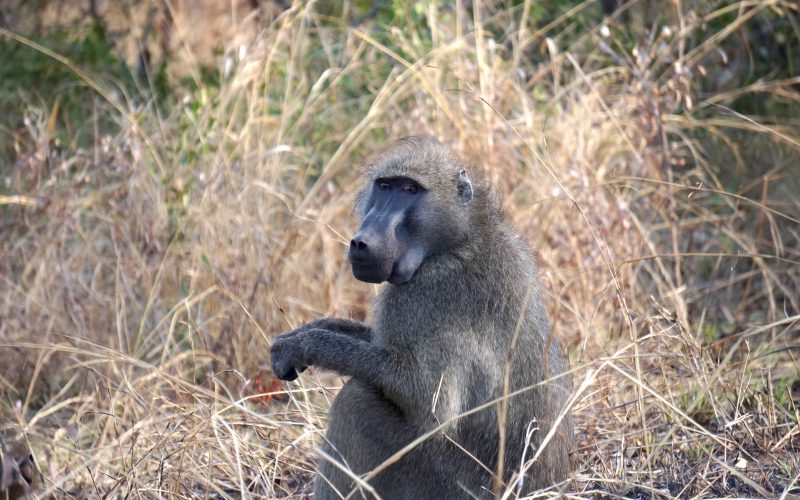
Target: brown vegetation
(142, 278)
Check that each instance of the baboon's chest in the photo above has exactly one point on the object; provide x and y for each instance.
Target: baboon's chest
(401, 320)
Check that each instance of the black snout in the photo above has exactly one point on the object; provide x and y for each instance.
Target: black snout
(362, 245)
(370, 256)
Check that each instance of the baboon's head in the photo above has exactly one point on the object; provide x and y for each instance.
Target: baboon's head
(414, 207)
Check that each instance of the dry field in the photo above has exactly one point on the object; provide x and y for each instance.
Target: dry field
(144, 271)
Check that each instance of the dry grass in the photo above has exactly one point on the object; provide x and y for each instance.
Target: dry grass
(141, 280)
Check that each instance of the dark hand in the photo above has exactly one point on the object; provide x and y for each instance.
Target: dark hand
(288, 355)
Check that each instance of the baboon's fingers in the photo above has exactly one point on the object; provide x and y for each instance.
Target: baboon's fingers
(288, 376)
(282, 367)
(282, 362)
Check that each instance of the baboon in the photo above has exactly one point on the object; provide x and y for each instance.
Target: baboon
(460, 321)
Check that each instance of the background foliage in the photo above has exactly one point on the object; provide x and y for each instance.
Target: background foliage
(175, 189)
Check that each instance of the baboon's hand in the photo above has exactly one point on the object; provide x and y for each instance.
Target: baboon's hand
(288, 356)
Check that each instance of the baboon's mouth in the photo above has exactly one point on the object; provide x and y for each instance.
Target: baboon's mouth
(372, 271)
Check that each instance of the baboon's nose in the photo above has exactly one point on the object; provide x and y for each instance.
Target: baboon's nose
(364, 244)
(361, 248)
(359, 244)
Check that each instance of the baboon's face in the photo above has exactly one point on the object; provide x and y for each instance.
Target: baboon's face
(405, 223)
(387, 246)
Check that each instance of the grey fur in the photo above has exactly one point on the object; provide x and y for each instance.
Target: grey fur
(437, 348)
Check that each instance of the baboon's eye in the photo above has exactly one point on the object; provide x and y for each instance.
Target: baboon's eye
(384, 186)
(410, 188)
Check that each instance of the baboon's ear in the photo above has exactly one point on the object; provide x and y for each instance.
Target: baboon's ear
(464, 187)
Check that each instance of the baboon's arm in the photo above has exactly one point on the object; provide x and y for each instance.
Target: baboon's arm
(335, 325)
(343, 326)
(394, 374)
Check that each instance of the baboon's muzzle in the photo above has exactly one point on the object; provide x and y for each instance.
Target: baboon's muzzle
(369, 257)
